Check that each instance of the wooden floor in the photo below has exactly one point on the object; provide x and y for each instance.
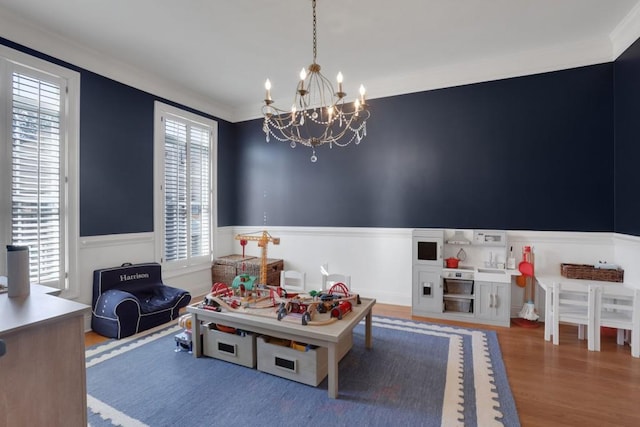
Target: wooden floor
(564, 385)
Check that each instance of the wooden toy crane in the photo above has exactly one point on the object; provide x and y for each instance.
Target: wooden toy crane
(263, 239)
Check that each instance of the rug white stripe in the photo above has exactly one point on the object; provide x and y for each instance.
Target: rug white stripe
(107, 412)
(486, 395)
(453, 405)
(117, 343)
(128, 347)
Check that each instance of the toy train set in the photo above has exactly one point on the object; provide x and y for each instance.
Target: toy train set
(245, 296)
(313, 308)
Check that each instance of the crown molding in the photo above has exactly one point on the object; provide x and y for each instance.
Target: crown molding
(20, 31)
(535, 61)
(626, 32)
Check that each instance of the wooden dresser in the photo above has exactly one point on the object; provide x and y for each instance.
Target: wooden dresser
(42, 374)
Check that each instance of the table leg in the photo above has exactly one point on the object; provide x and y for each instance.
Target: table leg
(195, 335)
(548, 313)
(367, 330)
(333, 370)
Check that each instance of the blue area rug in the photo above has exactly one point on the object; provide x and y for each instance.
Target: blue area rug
(416, 374)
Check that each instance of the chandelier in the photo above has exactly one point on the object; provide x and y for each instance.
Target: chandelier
(318, 115)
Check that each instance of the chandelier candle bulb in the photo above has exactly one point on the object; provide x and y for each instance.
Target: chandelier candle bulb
(303, 75)
(362, 92)
(267, 86)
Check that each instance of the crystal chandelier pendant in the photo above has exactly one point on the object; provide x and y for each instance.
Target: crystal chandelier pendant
(324, 116)
(265, 129)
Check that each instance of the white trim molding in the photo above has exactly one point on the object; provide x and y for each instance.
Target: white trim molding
(626, 32)
(18, 30)
(116, 239)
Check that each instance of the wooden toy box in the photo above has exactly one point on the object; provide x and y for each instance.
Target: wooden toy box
(308, 367)
(238, 349)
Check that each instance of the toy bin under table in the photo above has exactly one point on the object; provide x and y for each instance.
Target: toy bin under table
(308, 367)
(230, 347)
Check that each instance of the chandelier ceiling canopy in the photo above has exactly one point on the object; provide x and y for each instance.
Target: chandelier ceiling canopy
(318, 114)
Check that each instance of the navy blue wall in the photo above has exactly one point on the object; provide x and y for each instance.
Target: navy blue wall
(627, 137)
(532, 152)
(116, 155)
(116, 158)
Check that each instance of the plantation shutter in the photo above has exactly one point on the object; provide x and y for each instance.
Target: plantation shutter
(186, 190)
(36, 175)
(200, 213)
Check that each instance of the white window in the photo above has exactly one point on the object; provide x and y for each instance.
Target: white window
(185, 146)
(39, 166)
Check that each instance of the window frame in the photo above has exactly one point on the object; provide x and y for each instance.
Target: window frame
(162, 110)
(12, 60)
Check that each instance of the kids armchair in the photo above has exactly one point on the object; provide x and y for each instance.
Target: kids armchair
(132, 298)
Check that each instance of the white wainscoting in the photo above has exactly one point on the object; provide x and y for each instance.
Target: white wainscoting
(627, 255)
(552, 248)
(377, 259)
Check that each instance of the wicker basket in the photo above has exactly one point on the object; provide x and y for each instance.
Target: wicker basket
(589, 272)
(221, 273)
(226, 268)
(274, 267)
(232, 259)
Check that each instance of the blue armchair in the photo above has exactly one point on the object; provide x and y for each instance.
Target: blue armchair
(132, 298)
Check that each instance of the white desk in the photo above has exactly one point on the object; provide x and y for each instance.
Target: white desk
(324, 336)
(547, 281)
(42, 374)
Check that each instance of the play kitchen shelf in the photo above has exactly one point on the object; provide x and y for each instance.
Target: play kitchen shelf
(472, 285)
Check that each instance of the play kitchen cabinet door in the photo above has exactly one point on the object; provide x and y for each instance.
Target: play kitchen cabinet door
(493, 301)
(427, 291)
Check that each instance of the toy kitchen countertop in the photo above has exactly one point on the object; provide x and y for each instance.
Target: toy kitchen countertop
(481, 274)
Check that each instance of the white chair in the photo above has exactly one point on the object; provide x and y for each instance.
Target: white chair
(576, 305)
(329, 280)
(619, 309)
(293, 281)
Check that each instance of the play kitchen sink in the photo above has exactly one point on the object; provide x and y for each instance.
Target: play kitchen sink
(492, 275)
(491, 271)
(480, 274)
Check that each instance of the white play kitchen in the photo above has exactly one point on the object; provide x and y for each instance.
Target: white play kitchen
(462, 275)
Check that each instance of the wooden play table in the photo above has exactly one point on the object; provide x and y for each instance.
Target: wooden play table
(329, 336)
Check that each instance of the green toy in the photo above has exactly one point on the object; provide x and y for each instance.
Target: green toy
(244, 279)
